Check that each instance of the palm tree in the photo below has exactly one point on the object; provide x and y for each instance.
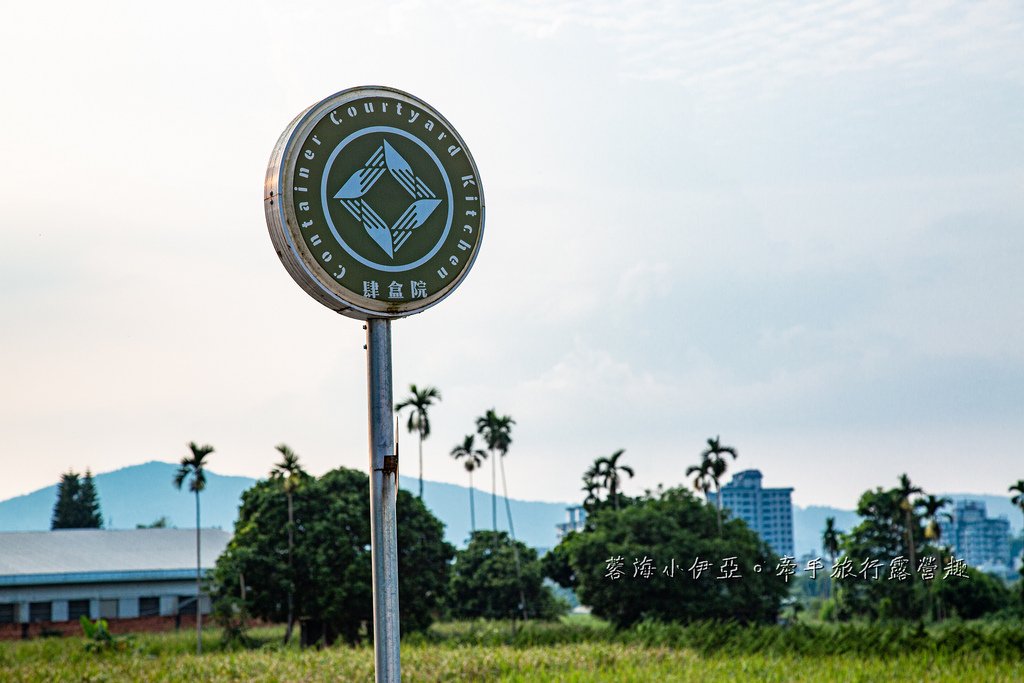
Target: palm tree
(905, 490)
(1018, 499)
(705, 476)
(290, 473)
(702, 481)
(474, 458)
(709, 472)
(830, 544)
(714, 452)
(194, 466)
(931, 507)
(419, 420)
(608, 469)
(497, 433)
(592, 487)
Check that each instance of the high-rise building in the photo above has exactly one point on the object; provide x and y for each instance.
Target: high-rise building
(978, 539)
(577, 519)
(769, 512)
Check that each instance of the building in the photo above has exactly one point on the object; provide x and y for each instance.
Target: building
(769, 512)
(139, 579)
(576, 520)
(980, 540)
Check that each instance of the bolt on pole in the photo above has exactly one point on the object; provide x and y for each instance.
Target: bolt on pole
(383, 494)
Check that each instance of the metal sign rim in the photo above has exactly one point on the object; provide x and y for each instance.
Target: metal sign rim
(281, 220)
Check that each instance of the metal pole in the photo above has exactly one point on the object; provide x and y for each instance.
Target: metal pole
(199, 587)
(383, 493)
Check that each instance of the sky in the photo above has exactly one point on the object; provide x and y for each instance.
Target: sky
(796, 225)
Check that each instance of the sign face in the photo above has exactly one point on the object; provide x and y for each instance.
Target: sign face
(374, 203)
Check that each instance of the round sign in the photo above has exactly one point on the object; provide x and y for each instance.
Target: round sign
(374, 203)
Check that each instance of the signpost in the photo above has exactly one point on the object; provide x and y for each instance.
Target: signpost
(375, 208)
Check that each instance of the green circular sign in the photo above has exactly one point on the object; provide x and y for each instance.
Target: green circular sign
(374, 203)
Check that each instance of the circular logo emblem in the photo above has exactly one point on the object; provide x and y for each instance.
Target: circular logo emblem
(374, 203)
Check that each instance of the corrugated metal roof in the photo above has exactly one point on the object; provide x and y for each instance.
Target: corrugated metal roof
(89, 551)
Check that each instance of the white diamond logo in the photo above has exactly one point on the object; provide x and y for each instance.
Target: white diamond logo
(352, 196)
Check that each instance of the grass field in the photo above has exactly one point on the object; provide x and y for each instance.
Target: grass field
(471, 652)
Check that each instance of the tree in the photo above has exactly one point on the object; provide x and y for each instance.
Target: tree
(486, 583)
(497, 433)
(67, 500)
(906, 490)
(830, 545)
(591, 487)
(714, 453)
(193, 468)
(607, 469)
(333, 595)
(77, 505)
(973, 596)
(472, 458)
(291, 475)
(702, 480)
(881, 536)
(1018, 499)
(90, 503)
(420, 401)
(931, 507)
(659, 534)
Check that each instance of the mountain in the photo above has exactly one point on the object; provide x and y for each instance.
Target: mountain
(534, 521)
(141, 494)
(809, 523)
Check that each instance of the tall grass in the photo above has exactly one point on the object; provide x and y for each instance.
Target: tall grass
(997, 640)
(576, 650)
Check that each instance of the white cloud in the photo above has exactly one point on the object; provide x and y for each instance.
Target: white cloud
(764, 220)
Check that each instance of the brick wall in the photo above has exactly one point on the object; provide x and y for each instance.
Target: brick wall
(73, 628)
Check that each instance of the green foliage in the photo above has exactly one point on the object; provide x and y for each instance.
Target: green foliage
(99, 638)
(557, 564)
(606, 472)
(193, 468)
(893, 527)
(330, 577)
(161, 523)
(484, 582)
(232, 615)
(882, 535)
(973, 597)
(575, 650)
(496, 431)
(420, 401)
(77, 505)
(672, 526)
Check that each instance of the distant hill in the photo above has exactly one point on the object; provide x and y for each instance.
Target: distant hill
(809, 523)
(534, 520)
(141, 494)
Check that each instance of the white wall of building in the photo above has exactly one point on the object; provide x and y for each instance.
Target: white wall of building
(126, 596)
